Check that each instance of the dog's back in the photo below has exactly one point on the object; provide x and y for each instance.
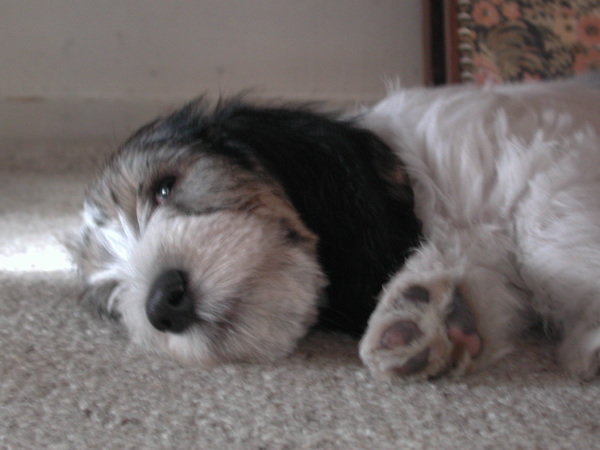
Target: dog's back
(506, 182)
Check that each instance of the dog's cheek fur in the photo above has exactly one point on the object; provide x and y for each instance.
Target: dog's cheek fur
(255, 294)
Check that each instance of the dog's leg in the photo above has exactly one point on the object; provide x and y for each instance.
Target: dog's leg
(441, 315)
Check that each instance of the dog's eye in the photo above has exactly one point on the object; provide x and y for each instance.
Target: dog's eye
(163, 189)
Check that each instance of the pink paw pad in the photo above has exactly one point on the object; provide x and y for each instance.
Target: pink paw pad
(472, 342)
(400, 334)
(462, 326)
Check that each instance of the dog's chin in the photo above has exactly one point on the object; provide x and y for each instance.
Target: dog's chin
(209, 344)
(254, 295)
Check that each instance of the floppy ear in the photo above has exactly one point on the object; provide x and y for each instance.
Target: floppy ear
(98, 296)
(348, 187)
(100, 251)
(101, 298)
(92, 259)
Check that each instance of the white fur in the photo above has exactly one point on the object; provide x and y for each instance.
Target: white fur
(507, 185)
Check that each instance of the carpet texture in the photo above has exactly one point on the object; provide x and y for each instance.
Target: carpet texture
(69, 380)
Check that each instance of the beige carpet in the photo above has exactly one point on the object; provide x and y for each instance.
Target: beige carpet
(68, 380)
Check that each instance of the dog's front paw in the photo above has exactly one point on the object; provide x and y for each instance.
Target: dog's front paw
(424, 330)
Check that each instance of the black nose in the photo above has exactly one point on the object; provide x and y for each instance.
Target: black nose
(170, 305)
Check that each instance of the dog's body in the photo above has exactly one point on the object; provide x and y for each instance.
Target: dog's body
(222, 235)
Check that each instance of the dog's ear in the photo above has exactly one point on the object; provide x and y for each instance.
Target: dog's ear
(99, 291)
(347, 185)
(100, 298)
(100, 251)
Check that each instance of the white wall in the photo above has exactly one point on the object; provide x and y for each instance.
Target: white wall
(148, 52)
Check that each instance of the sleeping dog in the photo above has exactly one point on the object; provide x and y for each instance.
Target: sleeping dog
(437, 225)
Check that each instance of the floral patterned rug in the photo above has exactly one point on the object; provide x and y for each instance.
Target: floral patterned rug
(508, 40)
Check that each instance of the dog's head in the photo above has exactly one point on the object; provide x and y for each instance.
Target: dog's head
(200, 233)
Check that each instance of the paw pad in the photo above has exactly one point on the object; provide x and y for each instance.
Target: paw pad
(462, 326)
(414, 365)
(462, 340)
(400, 334)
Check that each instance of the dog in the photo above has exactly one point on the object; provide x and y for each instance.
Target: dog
(438, 225)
